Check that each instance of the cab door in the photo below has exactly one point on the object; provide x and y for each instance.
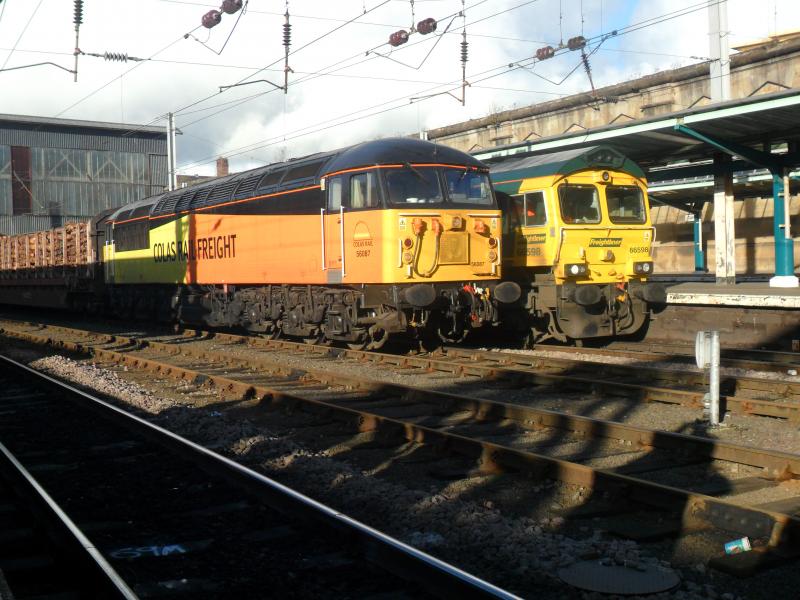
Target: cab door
(333, 229)
(534, 221)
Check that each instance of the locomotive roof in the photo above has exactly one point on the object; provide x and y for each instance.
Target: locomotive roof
(305, 171)
(507, 175)
(399, 151)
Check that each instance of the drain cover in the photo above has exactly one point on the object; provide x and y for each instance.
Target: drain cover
(594, 576)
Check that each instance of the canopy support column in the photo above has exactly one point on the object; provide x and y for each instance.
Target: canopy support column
(784, 244)
(699, 253)
(777, 165)
(724, 228)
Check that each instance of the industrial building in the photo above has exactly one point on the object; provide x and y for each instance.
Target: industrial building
(53, 171)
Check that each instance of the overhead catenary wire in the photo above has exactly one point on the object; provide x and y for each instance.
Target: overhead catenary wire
(108, 83)
(272, 64)
(520, 64)
(22, 33)
(323, 72)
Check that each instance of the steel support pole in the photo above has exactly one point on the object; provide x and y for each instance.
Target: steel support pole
(719, 52)
(171, 161)
(724, 230)
(784, 244)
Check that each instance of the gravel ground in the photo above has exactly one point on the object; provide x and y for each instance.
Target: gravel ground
(489, 535)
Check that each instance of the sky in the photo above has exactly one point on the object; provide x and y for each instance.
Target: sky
(346, 83)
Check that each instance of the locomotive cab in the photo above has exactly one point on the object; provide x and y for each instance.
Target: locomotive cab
(578, 239)
(415, 227)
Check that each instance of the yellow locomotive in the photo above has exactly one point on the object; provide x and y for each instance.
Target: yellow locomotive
(577, 238)
(352, 245)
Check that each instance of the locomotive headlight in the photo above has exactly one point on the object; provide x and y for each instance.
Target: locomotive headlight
(408, 257)
(492, 242)
(407, 243)
(492, 255)
(642, 268)
(456, 222)
(575, 270)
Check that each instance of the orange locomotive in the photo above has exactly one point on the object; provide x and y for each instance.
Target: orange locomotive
(353, 245)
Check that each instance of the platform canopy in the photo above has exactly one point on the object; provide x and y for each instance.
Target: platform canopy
(653, 142)
(676, 164)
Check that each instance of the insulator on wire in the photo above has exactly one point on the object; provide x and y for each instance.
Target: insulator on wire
(398, 38)
(211, 19)
(287, 32)
(231, 6)
(426, 26)
(576, 43)
(117, 56)
(78, 18)
(464, 50)
(545, 53)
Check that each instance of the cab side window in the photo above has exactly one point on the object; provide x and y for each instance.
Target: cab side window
(364, 191)
(535, 213)
(335, 193)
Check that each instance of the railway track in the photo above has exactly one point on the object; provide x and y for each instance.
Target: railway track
(167, 517)
(691, 482)
(751, 359)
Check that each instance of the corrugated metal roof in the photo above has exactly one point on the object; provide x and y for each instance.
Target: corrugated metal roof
(43, 132)
(655, 141)
(81, 124)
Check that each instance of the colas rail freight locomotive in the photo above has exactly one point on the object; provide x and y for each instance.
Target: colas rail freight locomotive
(578, 240)
(355, 245)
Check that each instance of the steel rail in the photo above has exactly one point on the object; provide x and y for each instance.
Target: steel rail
(737, 385)
(697, 510)
(755, 359)
(519, 375)
(776, 464)
(67, 535)
(386, 551)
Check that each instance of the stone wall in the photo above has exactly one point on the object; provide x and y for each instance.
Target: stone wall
(755, 250)
(770, 68)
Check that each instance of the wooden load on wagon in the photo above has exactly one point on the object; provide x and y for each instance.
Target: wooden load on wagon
(67, 246)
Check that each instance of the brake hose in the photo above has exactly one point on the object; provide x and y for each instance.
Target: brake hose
(417, 251)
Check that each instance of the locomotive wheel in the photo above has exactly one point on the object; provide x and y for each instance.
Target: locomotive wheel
(358, 345)
(318, 339)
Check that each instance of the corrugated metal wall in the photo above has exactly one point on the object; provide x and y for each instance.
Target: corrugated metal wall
(43, 136)
(29, 223)
(5, 180)
(79, 171)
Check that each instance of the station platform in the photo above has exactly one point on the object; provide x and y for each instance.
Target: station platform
(754, 294)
